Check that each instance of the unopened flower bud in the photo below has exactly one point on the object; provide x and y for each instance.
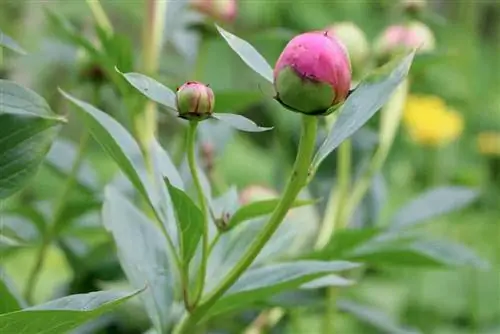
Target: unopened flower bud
(355, 41)
(195, 101)
(413, 7)
(220, 10)
(313, 73)
(415, 35)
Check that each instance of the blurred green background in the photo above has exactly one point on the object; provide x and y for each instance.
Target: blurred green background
(464, 73)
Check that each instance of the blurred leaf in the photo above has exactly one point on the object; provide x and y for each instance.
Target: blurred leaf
(61, 157)
(431, 204)
(406, 251)
(190, 220)
(233, 101)
(366, 99)
(227, 203)
(260, 208)
(328, 281)
(373, 317)
(166, 166)
(62, 315)
(152, 89)
(18, 228)
(240, 122)
(120, 146)
(7, 244)
(27, 129)
(261, 283)
(10, 297)
(143, 256)
(248, 54)
(344, 241)
(7, 42)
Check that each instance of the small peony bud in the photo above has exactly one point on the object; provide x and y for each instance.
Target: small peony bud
(220, 10)
(355, 41)
(195, 101)
(405, 37)
(313, 73)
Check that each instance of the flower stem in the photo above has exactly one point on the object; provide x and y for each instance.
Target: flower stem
(52, 230)
(295, 183)
(191, 148)
(100, 16)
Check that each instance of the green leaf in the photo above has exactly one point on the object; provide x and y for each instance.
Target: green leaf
(233, 101)
(189, 220)
(143, 256)
(406, 251)
(120, 146)
(64, 314)
(328, 281)
(166, 166)
(261, 283)
(10, 297)
(258, 209)
(152, 89)
(8, 244)
(60, 159)
(344, 241)
(7, 42)
(431, 204)
(373, 317)
(368, 97)
(240, 122)
(27, 129)
(248, 54)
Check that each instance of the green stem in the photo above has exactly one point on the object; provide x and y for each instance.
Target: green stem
(52, 230)
(191, 148)
(296, 182)
(331, 309)
(214, 242)
(100, 16)
(338, 195)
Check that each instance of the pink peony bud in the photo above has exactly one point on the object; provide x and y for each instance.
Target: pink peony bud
(195, 101)
(220, 10)
(405, 37)
(355, 41)
(313, 73)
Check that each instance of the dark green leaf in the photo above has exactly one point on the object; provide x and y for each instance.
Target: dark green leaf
(61, 157)
(248, 54)
(240, 122)
(62, 315)
(10, 298)
(119, 144)
(431, 204)
(368, 97)
(9, 43)
(189, 220)
(27, 129)
(152, 89)
(258, 209)
(143, 256)
(261, 283)
(373, 317)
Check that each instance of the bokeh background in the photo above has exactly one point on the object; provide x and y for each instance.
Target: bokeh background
(450, 135)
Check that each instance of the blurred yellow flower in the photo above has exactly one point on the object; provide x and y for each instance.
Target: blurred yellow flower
(489, 143)
(430, 122)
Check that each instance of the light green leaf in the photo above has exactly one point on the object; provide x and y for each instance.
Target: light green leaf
(120, 146)
(152, 89)
(143, 256)
(240, 122)
(433, 203)
(10, 298)
(27, 129)
(258, 209)
(62, 315)
(189, 220)
(328, 281)
(261, 283)
(9, 43)
(373, 317)
(368, 97)
(60, 159)
(248, 54)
